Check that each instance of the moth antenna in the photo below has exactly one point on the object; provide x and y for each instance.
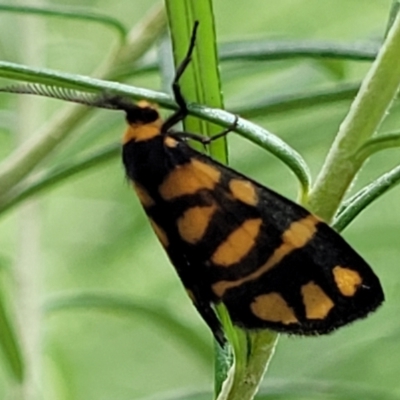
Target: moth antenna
(103, 100)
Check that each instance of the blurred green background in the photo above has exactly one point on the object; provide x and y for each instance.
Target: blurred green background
(89, 234)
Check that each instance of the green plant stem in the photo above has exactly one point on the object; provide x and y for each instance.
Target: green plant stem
(201, 81)
(286, 49)
(357, 203)
(377, 144)
(367, 112)
(253, 354)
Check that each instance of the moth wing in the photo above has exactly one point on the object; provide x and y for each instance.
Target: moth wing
(272, 263)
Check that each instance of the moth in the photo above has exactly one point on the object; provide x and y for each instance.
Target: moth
(271, 262)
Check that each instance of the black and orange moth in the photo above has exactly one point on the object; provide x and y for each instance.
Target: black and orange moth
(272, 263)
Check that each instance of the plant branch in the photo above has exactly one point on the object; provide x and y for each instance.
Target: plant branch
(376, 94)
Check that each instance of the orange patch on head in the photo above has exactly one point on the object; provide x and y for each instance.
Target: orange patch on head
(273, 307)
(316, 302)
(188, 179)
(244, 191)
(160, 233)
(296, 236)
(193, 223)
(238, 244)
(147, 104)
(347, 280)
(142, 132)
(143, 195)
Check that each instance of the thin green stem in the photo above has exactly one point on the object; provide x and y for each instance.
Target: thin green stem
(253, 353)
(377, 144)
(357, 203)
(285, 49)
(367, 112)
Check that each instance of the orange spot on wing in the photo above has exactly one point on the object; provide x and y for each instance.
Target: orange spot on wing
(244, 191)
(273, 307)
(193, 223)
(188, 179)
(347, 280)
(316, 302)
(238, 244)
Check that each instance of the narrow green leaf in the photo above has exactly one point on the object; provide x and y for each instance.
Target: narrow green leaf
(376, 144)
(268, 50)
(356, 204)
(201, 81)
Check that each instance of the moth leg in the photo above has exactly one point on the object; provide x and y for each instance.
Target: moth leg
(182, 111)
(201, 138)
(208, 139)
